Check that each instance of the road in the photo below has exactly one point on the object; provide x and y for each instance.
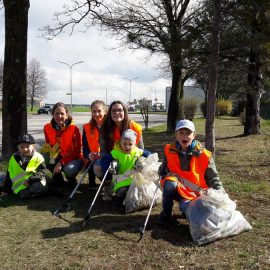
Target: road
(36, 122)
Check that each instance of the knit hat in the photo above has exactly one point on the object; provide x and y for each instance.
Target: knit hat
(129, 134)
(185, 124)
(26, 138)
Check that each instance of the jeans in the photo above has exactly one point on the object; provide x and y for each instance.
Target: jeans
(170, 194)
(72, 168)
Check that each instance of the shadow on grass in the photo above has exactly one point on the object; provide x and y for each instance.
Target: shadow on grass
(125, 228)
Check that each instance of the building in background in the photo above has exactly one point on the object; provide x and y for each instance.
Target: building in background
(190, 91)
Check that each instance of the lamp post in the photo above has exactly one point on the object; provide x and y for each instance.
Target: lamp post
(130, 81)
(70, 78)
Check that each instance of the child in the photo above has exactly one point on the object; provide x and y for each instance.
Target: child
(26, 170)
(90, 137)
(185, 159)
(120, 162)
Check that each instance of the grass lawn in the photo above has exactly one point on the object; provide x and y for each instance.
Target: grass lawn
(31, 238)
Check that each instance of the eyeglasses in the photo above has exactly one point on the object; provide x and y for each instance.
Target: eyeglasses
(117, 111)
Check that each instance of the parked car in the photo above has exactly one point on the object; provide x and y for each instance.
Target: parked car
(46, 109)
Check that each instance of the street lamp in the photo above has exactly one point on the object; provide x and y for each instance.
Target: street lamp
(70, 78)
(130, 80)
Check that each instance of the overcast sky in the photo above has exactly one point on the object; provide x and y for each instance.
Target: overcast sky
(102, 68)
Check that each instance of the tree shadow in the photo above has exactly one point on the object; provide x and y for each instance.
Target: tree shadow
(124, 227)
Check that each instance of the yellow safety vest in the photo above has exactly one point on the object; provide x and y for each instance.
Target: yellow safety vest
(126, 161)
(19, 176)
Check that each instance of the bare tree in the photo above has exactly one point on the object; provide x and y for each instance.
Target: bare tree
(162, 27)
(36, 81)
(14, 78)
(144, 109)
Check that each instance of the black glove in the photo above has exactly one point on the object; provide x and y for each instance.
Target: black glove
(114, 167)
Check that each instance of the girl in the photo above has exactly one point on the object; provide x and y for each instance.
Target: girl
(90, 138)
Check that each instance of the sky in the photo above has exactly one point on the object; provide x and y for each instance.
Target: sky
(100, 76)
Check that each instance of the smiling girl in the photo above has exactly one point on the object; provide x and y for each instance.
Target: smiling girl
(64, 139)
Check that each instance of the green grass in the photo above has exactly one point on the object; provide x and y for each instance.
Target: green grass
(31, 238)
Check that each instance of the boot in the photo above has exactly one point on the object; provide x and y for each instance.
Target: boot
(92, 179)
(58, 180)
(118, 204)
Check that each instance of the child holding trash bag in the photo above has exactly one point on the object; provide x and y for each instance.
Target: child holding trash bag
(186, 166)
(26, 174)
(121, 162)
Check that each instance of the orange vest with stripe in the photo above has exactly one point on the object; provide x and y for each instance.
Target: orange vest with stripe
(134, 126)
(65, 141)
(198, 166)
(92, 136)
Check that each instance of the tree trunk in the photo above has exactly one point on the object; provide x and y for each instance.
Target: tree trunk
(14, 85)
(176, 93)
(252, 123)
(212, 82)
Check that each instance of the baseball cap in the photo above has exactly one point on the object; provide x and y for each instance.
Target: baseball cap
(26, 138)
(129, 134)
(185, 123)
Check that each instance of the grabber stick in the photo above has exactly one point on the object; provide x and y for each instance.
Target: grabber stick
(142, 229)
(66, 205)
(87, 217)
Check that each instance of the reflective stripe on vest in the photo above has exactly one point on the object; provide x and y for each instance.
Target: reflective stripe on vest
(134, 126)
(19, 176)
(194, 178)
(92, 136)
(65, 141)
(126, 162)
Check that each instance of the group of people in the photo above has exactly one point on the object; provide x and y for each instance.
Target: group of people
(110, 142)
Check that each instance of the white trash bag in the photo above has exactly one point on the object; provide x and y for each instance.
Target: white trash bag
(141, 192)
(213, 216)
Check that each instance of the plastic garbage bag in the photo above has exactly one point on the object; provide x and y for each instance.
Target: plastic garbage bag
(213, 216)
(141, 193)
(150, 168)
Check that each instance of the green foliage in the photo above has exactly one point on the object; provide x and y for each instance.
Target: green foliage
(189, 107)
(223, 107)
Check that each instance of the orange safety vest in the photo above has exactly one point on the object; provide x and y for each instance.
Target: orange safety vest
(92, 136)
(65, 141)
(134, 126)
(195, 176)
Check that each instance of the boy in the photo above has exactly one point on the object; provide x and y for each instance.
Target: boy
(26, 174)
(187, 167)
(121, 162)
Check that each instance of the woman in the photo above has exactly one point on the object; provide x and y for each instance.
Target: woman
(116, 122)
(63, 139)
(90, 138)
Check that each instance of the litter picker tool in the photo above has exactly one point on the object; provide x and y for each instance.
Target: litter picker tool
(142, 229)
(65, 207)
(87, 217)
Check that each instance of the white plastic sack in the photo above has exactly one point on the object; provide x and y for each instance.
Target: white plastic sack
(141, 193)
(150, 168)
(213, 216)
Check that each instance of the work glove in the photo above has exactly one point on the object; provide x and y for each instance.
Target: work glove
(54, 152)
(114, 167)
(139, 164)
